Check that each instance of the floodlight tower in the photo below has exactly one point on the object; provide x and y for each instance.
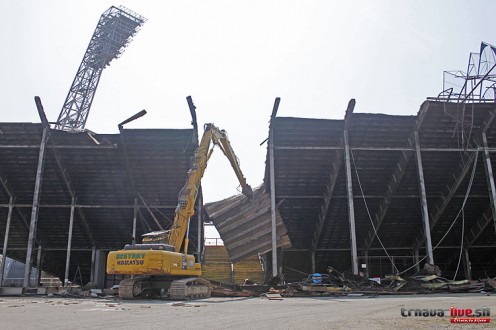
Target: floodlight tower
(113, 33)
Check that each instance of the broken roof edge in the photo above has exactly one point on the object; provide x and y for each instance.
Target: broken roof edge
(244, 225)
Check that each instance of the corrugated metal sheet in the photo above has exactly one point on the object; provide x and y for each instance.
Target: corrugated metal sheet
(245, 225)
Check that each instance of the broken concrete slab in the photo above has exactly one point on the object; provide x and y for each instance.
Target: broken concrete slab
(245, 225)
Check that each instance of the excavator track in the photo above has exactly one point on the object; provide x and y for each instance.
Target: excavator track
(182, 289)
(130, 288)
(190, 288)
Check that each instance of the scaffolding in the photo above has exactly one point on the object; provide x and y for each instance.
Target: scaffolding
(477, 84)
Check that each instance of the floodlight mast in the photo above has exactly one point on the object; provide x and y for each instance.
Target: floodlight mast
(113, 33)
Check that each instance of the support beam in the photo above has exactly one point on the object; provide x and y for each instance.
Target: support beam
(444, 201)
(94, 206)
(35, 209)
(478, 228)
(369, 196)
(349, 186)
(72, 147)
(135, 217)
(366, 262)
(5, 184)
(6, 240)
(92, 271)
(423, 201)
(331, 183)
(395, 181)
(38, 266)
(417, 261)
(388, 248)
(69, 245)
(62, 170)
(353, 148)
(85, 228)
(391, 189)
(405, 149)
(273, 189)
(490, 178)
(313, 261)
(467, 265)
(129, 169)
(149, 210)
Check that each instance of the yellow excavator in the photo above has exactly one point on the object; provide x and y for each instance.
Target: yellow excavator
(158, 267)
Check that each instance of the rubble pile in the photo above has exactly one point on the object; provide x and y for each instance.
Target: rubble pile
(429, 280)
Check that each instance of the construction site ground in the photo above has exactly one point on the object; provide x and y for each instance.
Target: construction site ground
(357, 312)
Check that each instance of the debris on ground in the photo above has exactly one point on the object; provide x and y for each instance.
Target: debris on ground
(184, 305)
(333, 283)
(428, 280)
(272, 296)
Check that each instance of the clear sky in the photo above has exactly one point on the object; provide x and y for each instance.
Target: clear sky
(234, 58)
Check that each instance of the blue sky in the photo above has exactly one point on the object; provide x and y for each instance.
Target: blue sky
(234, 58)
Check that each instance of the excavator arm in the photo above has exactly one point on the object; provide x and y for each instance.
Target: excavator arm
(187, 197)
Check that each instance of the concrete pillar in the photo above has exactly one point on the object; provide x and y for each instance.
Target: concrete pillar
(135, 216)
(367, 265)
(69, 244)
(100, 268)
(416, 260)
(92, 272)
(35, 209)
(279, 261)
(467, 265)
(38, 266)
(313, 261)
(6, 240)
(423, 201)
(351, 208)
(273, 202)
(393, 270)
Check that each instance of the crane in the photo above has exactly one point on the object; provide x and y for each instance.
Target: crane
(158, 266)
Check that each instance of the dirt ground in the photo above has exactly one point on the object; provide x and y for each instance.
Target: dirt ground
(383, 312)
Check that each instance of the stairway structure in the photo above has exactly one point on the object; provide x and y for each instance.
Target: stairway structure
(217, 266)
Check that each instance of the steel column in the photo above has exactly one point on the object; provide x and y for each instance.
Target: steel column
(466, 263)
(313, 261)
(38, 266)
(273, 202)
(417, 261)
(490, 178)
(6, 239)
(273, 189)
(35, 210)
(92, 271)
(69, 244)
(366, 259)
(351, 209)
(423, 201)
(135, 216)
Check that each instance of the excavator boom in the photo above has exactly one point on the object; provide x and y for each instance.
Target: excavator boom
(187, 197)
